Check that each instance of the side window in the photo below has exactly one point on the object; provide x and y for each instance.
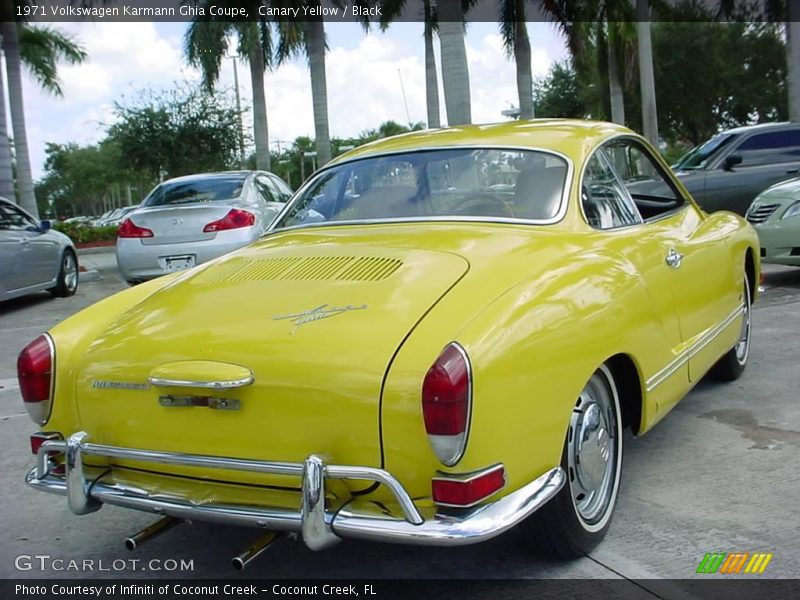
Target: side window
(646, 183)
(13, 220)
(267, 189)
(284, 191)
(771, 147)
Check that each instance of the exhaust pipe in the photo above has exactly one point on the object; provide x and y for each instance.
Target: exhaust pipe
(149, 532)
(245, 558)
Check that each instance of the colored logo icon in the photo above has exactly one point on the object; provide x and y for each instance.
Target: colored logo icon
(734, 563)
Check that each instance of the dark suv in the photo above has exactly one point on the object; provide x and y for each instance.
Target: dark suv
(733, 167)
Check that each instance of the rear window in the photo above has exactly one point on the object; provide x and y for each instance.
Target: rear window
(213, 189)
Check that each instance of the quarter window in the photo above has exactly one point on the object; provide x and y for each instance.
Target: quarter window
(606, 204)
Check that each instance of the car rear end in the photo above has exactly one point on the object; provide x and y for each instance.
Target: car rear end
(188, 221)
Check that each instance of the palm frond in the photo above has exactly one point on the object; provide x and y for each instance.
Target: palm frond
(205, 45)
(41, 48)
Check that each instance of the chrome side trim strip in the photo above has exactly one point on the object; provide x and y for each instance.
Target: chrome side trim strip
(684, 356)
(212, 385)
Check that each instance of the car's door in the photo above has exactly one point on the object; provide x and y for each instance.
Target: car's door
(42, 252)
(609, 208)
(12, 271)
(694, 250)
(766, 158)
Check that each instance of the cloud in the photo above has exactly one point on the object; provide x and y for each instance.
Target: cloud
(363, 76)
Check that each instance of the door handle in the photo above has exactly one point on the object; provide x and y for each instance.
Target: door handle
(673, 258)
(792, 171)
(24, 241)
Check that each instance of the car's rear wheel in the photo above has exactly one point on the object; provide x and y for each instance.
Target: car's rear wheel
(732, 365)
(579, 516)
(67, 282)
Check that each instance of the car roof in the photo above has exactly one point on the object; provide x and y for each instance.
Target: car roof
(571, 137)
(759, 127)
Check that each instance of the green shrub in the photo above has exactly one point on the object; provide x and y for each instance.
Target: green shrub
(81, 233)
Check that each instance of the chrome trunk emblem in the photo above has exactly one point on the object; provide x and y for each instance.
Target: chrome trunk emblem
(323, 311)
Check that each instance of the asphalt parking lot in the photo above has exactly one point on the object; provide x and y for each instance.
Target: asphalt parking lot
(719, 474)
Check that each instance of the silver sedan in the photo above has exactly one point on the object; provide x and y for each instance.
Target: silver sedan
(189, 220)
(34, 257)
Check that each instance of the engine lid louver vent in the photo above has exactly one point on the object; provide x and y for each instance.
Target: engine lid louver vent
(297, 268)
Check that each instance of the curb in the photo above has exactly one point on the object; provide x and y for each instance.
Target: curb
(96, 250)
(88, 276)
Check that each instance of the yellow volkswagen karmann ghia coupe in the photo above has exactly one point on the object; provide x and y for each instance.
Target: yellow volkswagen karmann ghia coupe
(441, 337)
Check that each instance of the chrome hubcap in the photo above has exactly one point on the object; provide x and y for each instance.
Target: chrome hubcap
(70, 272)
(592, 452)
(743, 345)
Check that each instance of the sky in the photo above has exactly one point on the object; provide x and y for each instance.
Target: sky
(364, 72)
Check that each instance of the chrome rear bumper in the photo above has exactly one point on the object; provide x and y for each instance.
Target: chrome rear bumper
(319, 527)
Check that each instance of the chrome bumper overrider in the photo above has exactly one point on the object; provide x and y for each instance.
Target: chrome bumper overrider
(319, 527)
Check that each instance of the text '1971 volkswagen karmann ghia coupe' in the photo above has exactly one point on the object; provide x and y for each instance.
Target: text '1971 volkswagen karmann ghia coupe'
(441, 337)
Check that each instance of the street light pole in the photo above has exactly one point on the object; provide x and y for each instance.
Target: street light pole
(238, 112)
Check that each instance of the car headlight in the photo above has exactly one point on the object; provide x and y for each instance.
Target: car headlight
(792, 211)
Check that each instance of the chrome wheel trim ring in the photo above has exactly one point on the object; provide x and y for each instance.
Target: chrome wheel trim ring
(594, 451)
(742, 347)
(70, 268)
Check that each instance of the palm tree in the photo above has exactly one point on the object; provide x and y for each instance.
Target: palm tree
(309, 38)
(647, 85)
(517, 45)
(455, 70)
(206, 45)
(390, 10)
(41, 49)
(793, 58)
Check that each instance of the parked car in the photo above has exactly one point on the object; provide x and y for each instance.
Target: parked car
(408, 355)
(733, 167)
(187, 221)
(34, 257)
(775, 214)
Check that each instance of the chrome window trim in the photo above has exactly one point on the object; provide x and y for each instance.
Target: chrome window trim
(558, 217)
(668, 176)
(692, 350)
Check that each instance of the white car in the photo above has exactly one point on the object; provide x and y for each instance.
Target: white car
(34, 257)
(189, 220)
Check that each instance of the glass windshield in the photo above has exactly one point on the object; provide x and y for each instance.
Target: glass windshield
(210, 189)
(463, 182)
(700, 156)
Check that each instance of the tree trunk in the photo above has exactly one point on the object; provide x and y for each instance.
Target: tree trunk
(315, 47)
(431, 79)
(614, 81)
(647, 85)
(455, 70)
(522, 58)
(27, 200)
(793, 59)
(6, 166)
(260, 127)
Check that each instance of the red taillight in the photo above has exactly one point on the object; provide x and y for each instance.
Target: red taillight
(461, 491)
(35, 374)
(446, 398)
(233, 220)
(128, 229)
(39, 438)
